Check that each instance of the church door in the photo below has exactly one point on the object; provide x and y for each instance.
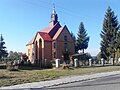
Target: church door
(66, 58)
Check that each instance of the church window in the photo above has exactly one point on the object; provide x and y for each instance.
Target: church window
(28, 52)
(40, 43)
(65, 46)
(54, 54)
(54, 45)
(65, 38)
(33, 52)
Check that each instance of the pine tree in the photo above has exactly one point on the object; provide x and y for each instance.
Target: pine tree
(109, 35)
(75, 41)
(82, 39)
(118, 40)
(118, 44)
(3, 52)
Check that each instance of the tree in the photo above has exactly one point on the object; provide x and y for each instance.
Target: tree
(3, 52)
(118, 40)
(98, 56)
(75, 41)
(82, 39)
(118, 44)
(109, 35)
(15, 55)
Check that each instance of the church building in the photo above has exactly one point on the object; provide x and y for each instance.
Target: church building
(50, 43)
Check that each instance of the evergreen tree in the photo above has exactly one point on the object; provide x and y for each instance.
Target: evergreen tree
(109, 35)
(3, 52)
(75, 41)
(118, 44)
(82, 39)
(118, 40)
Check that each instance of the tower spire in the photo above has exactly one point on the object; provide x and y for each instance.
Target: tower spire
(54, 17)
(54, 12)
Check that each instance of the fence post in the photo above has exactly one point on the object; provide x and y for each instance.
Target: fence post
(111, 61)
(90, 62)
(75, 62)
(102, 61)
(45, 63)
(118, 60)
(57, 63)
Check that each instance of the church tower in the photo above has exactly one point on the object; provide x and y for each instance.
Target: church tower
(54, 17)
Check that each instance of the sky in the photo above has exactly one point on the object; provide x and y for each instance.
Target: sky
(21, 19)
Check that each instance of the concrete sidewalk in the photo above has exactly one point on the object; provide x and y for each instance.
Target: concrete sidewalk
(63, 80)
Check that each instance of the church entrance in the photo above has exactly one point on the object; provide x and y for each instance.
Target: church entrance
(66, 58)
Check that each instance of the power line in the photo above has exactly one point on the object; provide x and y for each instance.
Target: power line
(35, 4)
(65, 11)
(69, 11)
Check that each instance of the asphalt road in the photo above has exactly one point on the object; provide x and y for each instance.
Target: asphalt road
(105, 83)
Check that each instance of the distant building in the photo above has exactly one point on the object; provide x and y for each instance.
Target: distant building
(51, 42)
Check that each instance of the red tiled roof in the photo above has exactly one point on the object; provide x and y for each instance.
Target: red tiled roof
(45, 36)
(47, 29)
(49, 33)
(51, 30)
(58, 33)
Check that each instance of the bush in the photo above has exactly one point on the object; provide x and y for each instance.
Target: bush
(48, 64)
(25, 63)
(12, 66)
(65, 66)
(29, 63)
(2, 66)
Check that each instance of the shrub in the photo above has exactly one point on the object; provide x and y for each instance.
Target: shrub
(48, 64)
(65, 66)
(12, 66)
(29, 63)
(2, 66)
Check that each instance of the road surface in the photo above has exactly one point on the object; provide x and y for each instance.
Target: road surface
(105, 83)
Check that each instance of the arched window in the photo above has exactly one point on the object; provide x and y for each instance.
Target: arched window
(54, 44)
(36, 50)
(40, 49)
(40, 40)
(65, 38)
(54, 54)
(28, 52)
(40, 43)
(65, 46)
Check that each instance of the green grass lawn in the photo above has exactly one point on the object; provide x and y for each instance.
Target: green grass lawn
(25, 76)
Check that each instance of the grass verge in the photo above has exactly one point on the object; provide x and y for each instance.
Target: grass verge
(8, 78)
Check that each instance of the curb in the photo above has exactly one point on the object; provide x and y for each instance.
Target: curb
(60, 81)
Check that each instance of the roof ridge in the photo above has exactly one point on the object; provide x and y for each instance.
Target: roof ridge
(58, 32)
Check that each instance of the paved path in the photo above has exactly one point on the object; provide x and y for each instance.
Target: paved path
(62, 80)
